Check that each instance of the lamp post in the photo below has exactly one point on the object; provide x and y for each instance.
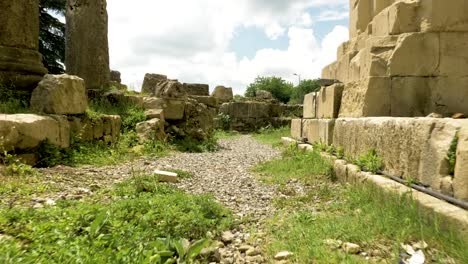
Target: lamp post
(299, 77)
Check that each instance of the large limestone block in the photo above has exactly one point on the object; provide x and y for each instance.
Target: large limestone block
(207, 100)
(319, 130)
(310, 105)
(443, 15)
(368, 97)
(246, 109)
(151, 82)
(171, 89)
(20, 62)
(329, 101)
(449, 95)
(454, 53)
(87, 47)
(460, 181)
(297, 131)
(60, 94)
(361, 12)
(173, 108)
(434, 165)
(401, 17)
(197, 89)
(329, 71)
(151, 130)
(416, 54)
(410, 96)
(26, 131)
(223, 94)
(155, 113)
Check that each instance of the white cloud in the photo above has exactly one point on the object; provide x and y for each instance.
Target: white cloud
(189, 40)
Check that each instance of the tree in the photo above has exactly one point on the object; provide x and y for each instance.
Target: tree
(52, 35)
(279, 88)
(305, 87)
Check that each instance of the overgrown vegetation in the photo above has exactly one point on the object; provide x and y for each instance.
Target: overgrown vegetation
(370, 162)
(279, 88)
(452, 154)
(138, 221)
(193, 145)
(13, 101)
(360, 214)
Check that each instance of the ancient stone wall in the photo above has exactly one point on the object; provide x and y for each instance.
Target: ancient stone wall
(87, 47)
(20, 62)
(404, 59)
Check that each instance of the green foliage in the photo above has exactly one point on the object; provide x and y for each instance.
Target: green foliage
(225, 121)
(52, 35)
(370, 162)
(295, 164)
(50, 155)
(183, 174)
(305, 87)
(193, 145)
(13, 101)
(452, 154)
(14, 166)
(128, 226)
(279, 88)
(130, 113)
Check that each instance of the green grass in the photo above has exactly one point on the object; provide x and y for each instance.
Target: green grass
(295, 164)
(360, 214)
(193, 145)
(222, 134)
(121, 225)
(272, 136)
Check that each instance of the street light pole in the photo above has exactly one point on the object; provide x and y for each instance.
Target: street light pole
(299, 77)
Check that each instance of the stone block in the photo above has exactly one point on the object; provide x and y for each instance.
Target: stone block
(460, 181)
(359, 98)
(449, 95)
(223, 94)
(329, 101)
(173, 108)
(151, 130)
(410, 96)
(297, 131)
(27, 131)
(310, 107)
(155, 113)
(454, 54)
(151, 82)
(443, 15)
(207, 100)
(416, 54)
(329, 71)
(197, 89)
(401, 17)
(340, 170)
(60, 94)
(166, 176)
(135, 99)
(319, 130)
(361, 13)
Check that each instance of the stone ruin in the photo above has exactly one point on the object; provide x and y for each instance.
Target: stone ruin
(20, 61)
(404, 59)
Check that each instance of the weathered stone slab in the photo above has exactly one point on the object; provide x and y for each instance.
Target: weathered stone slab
(310, 105)
(151, 82)
(329, 101)
(60, 94)
(26, 131)
(207, 100)
(460, 181)
(166, 176)
(360, 98)
(319, 130)
(223, 94)
(173, 108)
(197, 89)
(151, 130)
(87, 47)
(107, 128)
(410, 96)
(155, 113)
(297, 131)
(413, 148)
(246, 109)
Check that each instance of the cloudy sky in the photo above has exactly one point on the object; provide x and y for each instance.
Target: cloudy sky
(224, 42)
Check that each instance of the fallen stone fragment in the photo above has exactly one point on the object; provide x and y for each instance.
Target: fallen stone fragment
(227, 237)
(333, 244)
(283, 255)
(166, 176)
(253, 252)
(245, 248)
(351, 248)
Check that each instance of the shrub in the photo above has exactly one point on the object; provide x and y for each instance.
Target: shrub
(370, 161)
(452, 154)
(13, 101)
(279, 88)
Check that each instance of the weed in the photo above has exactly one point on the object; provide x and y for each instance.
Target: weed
(143, 221)
(193, 145)
(225, 121)
(452, 154)
(222, 134)
(370, 162)
(183, 174)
